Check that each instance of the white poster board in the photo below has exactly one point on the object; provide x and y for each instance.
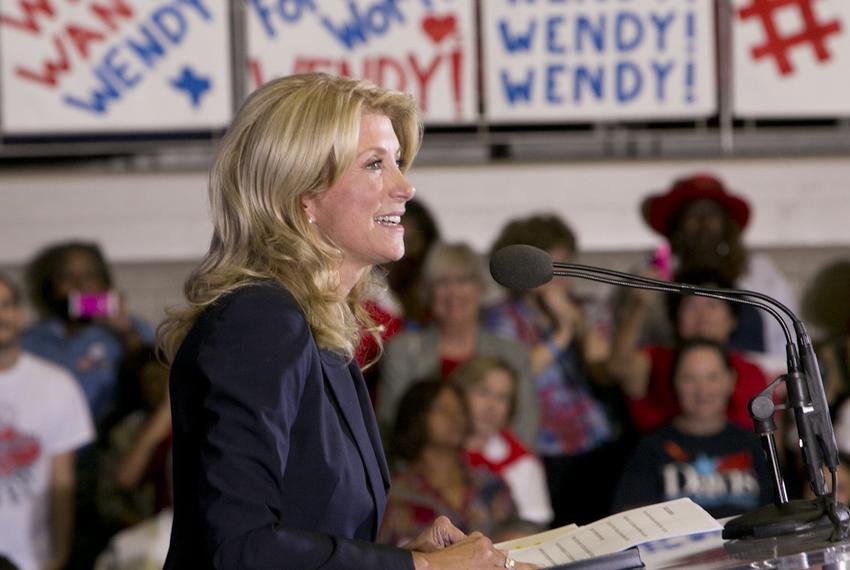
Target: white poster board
(106, 66)
(598, 60)
(423, 47)
(791, 59)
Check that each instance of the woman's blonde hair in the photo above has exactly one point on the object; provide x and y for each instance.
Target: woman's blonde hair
(293, 137)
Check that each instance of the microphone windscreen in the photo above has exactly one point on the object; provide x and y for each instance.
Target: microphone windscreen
(521, 267)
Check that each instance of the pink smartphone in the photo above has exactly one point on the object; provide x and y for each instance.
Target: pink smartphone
(96, 305)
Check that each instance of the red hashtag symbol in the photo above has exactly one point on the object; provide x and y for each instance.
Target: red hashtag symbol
(777, 46)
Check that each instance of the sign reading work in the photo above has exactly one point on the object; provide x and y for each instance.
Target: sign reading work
(583, 60)
(791, 59)
(423, 47)
(92, 66)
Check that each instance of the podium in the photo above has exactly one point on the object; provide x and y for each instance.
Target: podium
(710, 551)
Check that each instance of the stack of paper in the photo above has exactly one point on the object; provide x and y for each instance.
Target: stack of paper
(612, 534)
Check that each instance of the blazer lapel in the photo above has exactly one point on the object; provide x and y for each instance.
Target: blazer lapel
(344, 387)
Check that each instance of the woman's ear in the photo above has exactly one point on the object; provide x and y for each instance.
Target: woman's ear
(309, 203)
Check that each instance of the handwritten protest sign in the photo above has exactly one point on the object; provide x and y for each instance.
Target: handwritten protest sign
(791, 59)
(577, 60)
(91, 66)
(424, 47)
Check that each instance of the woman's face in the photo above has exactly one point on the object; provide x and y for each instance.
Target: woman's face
(704, 384)
(455, 297)
(78, 272)
(361, 213)
(561, 285)
(703, 224)
(12, 318)
(446, 422)
(706, 318)
(489, 402)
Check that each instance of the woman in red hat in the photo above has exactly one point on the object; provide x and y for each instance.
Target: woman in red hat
(704, 222)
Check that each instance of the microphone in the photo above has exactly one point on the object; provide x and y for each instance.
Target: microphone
(526, 267)
(522, 267)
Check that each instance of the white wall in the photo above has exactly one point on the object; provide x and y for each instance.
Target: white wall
(796, 202)
(137, 216)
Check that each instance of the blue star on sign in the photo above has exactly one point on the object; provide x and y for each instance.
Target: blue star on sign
(705, 465)
(194, 85)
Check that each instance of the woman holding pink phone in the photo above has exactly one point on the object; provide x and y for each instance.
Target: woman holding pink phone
(84, 328)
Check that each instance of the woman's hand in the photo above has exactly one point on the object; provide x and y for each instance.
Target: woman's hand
(439, 535)
(475, 552)
(122, 325)
(565, 316)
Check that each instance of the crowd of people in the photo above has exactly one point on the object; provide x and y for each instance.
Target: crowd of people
(502, 410)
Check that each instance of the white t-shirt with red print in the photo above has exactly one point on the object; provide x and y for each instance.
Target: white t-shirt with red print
(505, 455)
(42, 413)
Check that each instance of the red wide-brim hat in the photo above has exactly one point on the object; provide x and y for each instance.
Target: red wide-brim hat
(659, 210)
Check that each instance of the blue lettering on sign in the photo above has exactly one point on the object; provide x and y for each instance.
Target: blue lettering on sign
(518, 41)
(518, 90)
(593, 78)
(361, 25)
(199, 6)
(119, 69)
(661, 71)
(585, 28)
(171, 23)
(689, 82)
(264, 14)
(148, 49)
(290, 11)
(625, 40)
(627, 54)
(628, 81)
(552, 25)
(100, 95)
(661, 25)
(115, 74)
(553, 73)
(691, 31)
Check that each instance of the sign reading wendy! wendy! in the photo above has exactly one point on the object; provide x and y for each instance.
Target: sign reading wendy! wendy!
(98, 66)
(424, 47)
(582, 60)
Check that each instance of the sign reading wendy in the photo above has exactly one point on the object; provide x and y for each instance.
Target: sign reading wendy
(588, 60)
(98, 66)
(423, 47)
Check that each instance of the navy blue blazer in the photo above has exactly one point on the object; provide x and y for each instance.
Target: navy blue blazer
(277, 458)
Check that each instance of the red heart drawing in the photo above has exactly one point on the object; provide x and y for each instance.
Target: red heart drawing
(438, 28)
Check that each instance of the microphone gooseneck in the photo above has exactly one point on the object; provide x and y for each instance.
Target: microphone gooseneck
(526, 267)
